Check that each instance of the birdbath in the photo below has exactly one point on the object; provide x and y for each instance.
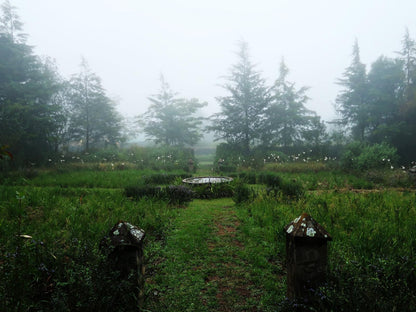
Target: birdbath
(206, 180)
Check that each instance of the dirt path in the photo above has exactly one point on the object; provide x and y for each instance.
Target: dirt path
(204, 265)
(229, 274)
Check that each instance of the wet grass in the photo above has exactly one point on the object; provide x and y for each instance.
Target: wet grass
(212, 255)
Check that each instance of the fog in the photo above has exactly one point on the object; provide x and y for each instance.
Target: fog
(129, 43)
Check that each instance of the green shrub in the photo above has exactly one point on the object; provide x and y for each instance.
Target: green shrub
(163, 178)
(214, 190)
(382, 284)
(292, 189)
(179, 194)
(247, 177)
(270, 179)
(148, 191)
(360, 156)
(242, 193)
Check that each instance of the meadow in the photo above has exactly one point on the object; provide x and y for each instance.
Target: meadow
(206, 254)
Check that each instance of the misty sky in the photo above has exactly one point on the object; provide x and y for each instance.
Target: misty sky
(129, 43)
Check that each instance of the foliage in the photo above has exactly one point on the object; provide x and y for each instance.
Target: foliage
(144, 191)
(287, 121)
(371, 257)
(380, 106)
(61, 268)
(384, 284)
(352, 100)
(247, 177)
(290, 188)
(171, 121)
(178, 194)
(359, 156)
(242, 193)
(28, 115)
(163, 178)
(270, 179)
(10, 24)
(93, 119)
(243, 110)
(213, 190)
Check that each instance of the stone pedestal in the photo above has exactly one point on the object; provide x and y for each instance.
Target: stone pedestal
(306, 256)
(124, 247)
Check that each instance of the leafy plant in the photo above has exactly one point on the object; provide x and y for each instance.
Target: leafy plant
(360, 156)
(148, 191)
(178, 194)
(242, 193)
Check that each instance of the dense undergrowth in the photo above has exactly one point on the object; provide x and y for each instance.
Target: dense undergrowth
(51, 222)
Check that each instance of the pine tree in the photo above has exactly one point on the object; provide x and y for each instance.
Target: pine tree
(287, 117)
(171, 120)
(351, 103)
(93, 118)
(241, 120)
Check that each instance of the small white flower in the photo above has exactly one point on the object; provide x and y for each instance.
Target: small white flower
(290, 229)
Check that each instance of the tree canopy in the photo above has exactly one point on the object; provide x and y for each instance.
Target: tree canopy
(171, 120)
(93, 119)
(242, 115)
(27, 86)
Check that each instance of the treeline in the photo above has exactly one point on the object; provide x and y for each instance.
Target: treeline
(40, 111)
(379, 106)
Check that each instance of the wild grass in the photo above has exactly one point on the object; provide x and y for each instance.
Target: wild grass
(190, 265)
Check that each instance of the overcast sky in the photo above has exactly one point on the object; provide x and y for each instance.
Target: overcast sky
(129, 43)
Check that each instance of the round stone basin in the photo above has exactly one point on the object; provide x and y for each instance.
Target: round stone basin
(206, 180)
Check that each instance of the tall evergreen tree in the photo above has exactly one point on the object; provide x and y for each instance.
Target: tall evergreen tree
(385, 81)
(27, 86)
(93, 118)
(242, 115)
(408, 57)
(170, 120)
(405, 142)
(351, 103)
(10, 24)
(288, 120)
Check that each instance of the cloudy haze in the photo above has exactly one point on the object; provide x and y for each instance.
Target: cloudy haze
(129, 43)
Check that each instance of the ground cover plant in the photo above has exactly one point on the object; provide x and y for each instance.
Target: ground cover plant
(205, 254)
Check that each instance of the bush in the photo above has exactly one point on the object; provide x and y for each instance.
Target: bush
(384, 284)
(242, 193)
(163, 178)
(211, 191)
(248, 177)
(360, 156)
(179, 194)
(292, 189)
(270, 179)
(148, 191)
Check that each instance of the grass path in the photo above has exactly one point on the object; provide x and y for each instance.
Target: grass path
(203, 267)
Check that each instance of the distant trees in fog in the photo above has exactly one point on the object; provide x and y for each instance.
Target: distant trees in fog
(254, 114)
(42, 113)
(380, 105)
(171, 120)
